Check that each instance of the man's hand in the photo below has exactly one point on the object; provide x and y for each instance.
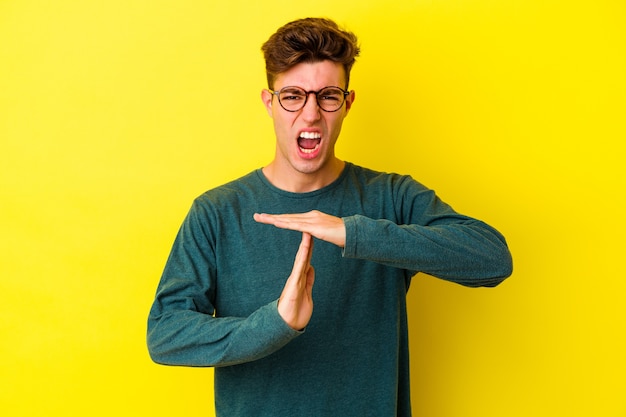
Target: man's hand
(295, 305)
(320, 225)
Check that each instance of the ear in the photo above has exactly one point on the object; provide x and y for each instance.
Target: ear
(349, 100)
(267, 98)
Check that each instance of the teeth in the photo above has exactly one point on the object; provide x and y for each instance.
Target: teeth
(309, 150)
(310, 135)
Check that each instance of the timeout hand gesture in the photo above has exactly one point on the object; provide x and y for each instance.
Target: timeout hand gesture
(295, 305)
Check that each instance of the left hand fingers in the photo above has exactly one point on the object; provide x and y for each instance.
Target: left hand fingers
(320, 225)
(286, 221)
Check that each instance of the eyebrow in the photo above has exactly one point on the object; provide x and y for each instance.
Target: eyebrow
(291, 88)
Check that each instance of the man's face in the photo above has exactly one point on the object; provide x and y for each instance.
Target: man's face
(305, 139)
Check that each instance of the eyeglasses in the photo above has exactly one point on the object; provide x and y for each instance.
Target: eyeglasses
(329, 99)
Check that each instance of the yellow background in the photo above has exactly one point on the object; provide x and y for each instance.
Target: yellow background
(115, 114)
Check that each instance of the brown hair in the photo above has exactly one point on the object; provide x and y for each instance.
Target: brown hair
(309, 40)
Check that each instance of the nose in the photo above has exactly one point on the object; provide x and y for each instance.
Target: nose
(311, 110)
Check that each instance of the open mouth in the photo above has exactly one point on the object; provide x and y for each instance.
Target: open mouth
(309, 142)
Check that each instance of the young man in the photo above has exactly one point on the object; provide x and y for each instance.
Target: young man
(232, 296)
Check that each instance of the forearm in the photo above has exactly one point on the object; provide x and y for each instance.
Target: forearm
(467, 252)
(191, 338)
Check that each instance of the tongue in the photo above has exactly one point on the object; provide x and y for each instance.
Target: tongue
(308, 143)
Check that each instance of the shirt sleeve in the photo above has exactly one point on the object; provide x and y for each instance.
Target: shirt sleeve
(182, 327)
(428, 236)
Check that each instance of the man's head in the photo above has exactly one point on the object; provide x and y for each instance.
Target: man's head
(308, 64)
(309, 40)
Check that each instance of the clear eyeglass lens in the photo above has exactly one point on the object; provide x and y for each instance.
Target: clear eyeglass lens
(292, 98)
(330, 98)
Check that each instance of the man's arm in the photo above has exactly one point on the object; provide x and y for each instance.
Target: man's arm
(431, 238)
(182, 329)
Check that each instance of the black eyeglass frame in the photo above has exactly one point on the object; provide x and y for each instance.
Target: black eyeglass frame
(308, 93)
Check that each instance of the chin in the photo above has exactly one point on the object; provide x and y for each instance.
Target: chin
(308, 166)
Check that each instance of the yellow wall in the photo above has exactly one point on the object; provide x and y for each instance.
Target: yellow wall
(115, 114)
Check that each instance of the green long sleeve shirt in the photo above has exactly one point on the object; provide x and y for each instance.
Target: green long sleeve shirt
(216, 303)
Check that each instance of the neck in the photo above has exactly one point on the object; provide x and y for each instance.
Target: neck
(302, 182)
